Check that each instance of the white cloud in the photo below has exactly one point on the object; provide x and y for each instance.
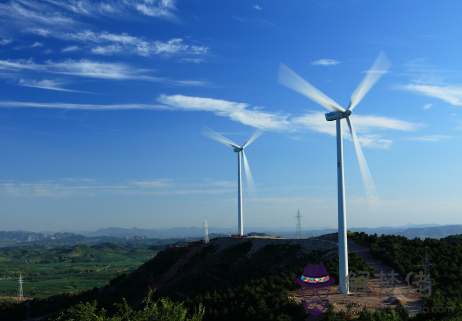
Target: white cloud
(430, 138)
(316, 121)
(18, 104)
(64, 13)
(37, 44)
(427, 106)
(235, 111)
(255, 117)
(32, 13)
(91, 187)
(160, 8)
(70, 48)
(450, 94)
(90, 69)
(106, 43)
(4, 42)
(257, 7)
(44, 84)
(325, 62)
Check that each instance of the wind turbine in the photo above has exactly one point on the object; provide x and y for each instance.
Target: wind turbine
(239, 150)
(290, 79)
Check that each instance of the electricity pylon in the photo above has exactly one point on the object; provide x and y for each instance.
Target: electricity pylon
(299, 227)
(20, 294)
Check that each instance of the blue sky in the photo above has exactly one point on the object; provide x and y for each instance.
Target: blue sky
(102, 105)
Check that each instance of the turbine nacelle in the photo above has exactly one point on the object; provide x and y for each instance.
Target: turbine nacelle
(334, 115)
(237, 150)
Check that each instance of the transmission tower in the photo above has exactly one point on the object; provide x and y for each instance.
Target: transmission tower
(299, 226)
(427, 266)
(20, 295)
(206, 232)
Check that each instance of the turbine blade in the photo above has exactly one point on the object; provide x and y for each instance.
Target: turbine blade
(248, 175)
(219, 138)
(293, 81)
(379, 67)
(369, 187)
(255, 135)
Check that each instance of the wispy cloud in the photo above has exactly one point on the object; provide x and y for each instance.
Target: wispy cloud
(160, 8)
(450, 94)
(105, 43)
(325, 62)
(70, 48)
(37, 44)
(255, 117)
(316, 121)
(91, 187)
(45, 84)
(257, 7)
(23, 14)
(4, 42)
(235, 111)
(18, 104)
(91, 69)
(427, 106)
(430, 138)
(65, 13)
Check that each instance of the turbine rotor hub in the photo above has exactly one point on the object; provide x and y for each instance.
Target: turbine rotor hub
(237, 150)
(334, 115)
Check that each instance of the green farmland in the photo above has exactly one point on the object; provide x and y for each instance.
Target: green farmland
(68, 269)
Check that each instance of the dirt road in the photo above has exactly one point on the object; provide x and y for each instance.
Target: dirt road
(374, 300)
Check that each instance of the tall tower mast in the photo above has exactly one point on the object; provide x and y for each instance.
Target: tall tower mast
(20, 294)
(206, 232)
(427, 266)
(299, 226)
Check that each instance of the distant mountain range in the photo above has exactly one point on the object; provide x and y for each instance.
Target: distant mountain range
(194, 231)
(121, 235)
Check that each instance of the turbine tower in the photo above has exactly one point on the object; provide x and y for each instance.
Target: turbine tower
(206, 232)
(290, 79)
(299, 226)
(20, 294)
(239, 150)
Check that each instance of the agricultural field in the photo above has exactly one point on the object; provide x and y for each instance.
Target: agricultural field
(66, 269)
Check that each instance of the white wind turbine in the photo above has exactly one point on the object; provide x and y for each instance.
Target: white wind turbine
(239, 150)
(290, 79)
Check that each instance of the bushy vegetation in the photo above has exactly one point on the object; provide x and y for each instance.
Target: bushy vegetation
(163, 310)
(266, 298)
(405, 256)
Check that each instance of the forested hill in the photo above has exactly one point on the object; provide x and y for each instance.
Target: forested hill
(29, 240)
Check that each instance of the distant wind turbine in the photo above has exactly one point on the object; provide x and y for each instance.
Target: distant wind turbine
(239, 150)
(290, 79)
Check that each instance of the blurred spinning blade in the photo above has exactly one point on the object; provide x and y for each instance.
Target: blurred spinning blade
(377, 70)
(371, 193)
(293, 81)
(219, 138)
(253, 137)
(248, 175)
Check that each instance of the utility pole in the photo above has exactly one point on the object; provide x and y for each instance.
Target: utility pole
(20, 294)
(206, 232)
(299, 227)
